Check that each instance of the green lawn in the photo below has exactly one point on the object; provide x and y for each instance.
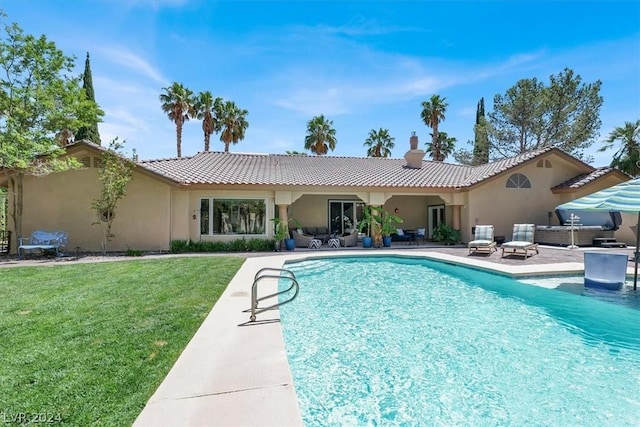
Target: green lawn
(90, 343)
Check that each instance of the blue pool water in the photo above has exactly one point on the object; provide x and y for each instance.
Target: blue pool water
(397, 341)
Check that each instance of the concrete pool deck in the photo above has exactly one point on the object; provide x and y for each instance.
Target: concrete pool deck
(236, 374)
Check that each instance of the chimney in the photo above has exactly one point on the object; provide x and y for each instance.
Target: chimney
(414, 156)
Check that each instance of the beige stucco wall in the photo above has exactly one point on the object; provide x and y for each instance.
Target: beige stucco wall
(493, 203)
(62, 201)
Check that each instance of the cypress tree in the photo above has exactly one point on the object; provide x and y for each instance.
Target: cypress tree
(481, 143)
(88, 132)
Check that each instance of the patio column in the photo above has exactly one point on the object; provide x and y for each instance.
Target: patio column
(282, 213)
(456, 216)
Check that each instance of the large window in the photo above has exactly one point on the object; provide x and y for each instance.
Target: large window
(232, 216)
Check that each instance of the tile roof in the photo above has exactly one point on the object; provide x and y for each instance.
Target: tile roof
(585, 178)
(299, 170)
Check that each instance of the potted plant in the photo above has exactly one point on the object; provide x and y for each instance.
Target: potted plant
(290, 242)
(281, 232)
(367, 222)
(388, 224)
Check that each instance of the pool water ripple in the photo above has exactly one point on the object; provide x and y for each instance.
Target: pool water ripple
(405, 342)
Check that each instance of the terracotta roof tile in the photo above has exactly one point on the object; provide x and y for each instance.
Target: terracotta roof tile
(584, 179)
(279, 169)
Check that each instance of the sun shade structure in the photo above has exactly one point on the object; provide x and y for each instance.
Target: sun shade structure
(624, 197)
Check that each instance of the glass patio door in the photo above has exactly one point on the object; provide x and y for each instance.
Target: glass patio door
(436, 217)
(343, 215)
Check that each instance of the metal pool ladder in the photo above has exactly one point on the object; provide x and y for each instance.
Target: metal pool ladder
(263, 273)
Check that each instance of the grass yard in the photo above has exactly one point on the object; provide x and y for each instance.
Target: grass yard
(88, 344)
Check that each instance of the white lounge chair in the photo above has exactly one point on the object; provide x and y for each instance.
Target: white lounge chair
(482, 240)
(522, 241)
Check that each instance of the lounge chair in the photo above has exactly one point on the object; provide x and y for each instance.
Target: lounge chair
(605, 270)
(483, 240)
(522, 241)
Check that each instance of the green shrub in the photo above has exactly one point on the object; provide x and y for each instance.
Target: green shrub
(178, 246)
(238, 245)
(133, 252)
(444, 233)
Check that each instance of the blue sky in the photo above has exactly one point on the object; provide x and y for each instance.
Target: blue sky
(363, 64)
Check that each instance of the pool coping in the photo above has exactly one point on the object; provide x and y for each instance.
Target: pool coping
(234, 373)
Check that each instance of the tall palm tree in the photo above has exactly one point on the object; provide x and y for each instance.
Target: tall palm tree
(379, 142)
(321, 136)
(233, 122)
(445, 146)
(207, 108)
(177, 101)
(627, 158)
(432, 115)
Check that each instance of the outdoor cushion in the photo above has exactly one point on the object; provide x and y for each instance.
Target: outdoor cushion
(400, 231)
(522, 241)
(483, 239)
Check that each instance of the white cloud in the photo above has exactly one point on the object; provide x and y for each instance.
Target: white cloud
(127, 59)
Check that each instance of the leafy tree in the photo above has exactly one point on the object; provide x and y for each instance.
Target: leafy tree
(627, 158)
(379, 142)
(177, 101)
(432, 115)
(531, 115)
(207, 109)
(445, 147)
(115, 173)
(321, 136)
(39, 99)
(233, 121)
(89, 132)
(481, 131)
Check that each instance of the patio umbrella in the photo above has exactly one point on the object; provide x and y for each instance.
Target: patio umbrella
(624, 197)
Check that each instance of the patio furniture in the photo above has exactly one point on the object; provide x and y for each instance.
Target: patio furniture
(522, 241)
(482, 240)
(605, 270)
(421, 235)
(42, 241)
(334, 242)
(302, 240)
(315, 244)
(401, 236)
(349, 239)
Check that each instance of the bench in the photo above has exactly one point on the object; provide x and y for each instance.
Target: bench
(41, 240)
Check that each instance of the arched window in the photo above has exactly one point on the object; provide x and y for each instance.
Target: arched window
(517, 180)
(543, 163)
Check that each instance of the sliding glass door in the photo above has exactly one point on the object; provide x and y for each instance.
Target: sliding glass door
(343, 215)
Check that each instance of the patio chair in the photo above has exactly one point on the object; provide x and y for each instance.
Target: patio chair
(522, 241)
(421, 235)
(350, 239)
(605, 270)
(302, 240)
(483, 240)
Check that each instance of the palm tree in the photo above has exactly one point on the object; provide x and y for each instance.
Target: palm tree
(379, 142)
(321, 136)
(233, 122)
(627, 158)
(445, 146)
(206, 109)
(432, 115)
(177, 101)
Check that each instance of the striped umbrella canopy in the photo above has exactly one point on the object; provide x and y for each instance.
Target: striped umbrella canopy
(624, 197)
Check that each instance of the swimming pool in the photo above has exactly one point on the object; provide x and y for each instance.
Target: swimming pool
(401, 341)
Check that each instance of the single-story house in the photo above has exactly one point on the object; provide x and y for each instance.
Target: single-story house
(227, 196)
